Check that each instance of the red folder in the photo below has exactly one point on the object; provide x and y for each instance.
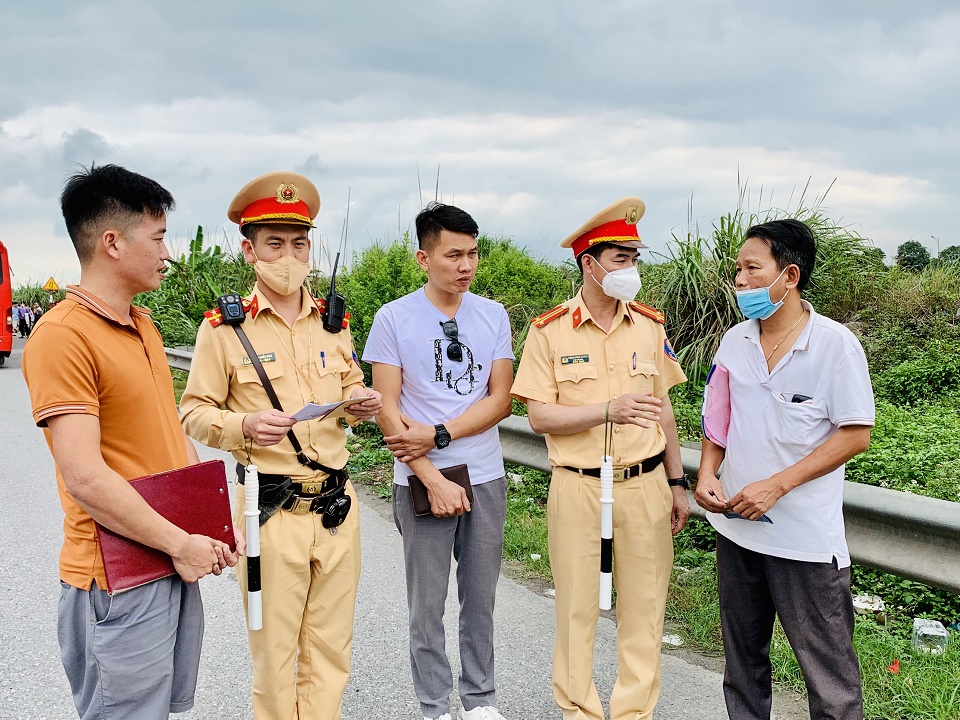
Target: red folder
(194, 498)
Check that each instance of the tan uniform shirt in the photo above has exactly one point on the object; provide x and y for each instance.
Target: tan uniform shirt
(572, 361)
(83, 358)
(305, 363)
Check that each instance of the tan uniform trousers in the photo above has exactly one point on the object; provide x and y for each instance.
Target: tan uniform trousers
(643, 560)
(309, 588)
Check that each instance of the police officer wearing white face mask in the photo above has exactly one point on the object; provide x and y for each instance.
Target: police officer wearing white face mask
(603, 357)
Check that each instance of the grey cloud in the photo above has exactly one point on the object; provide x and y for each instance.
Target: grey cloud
(83, 147)
(703, 59)
(313, 166)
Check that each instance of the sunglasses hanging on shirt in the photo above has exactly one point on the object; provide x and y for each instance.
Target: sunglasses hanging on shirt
(452, 333)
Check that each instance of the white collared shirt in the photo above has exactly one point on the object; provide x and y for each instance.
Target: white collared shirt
(777, 419)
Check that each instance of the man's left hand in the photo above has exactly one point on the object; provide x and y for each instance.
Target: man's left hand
(416, 441)
(681, 510)
(367, 409)
(756, 498)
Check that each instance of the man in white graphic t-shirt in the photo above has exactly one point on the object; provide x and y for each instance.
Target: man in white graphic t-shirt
(443, 360)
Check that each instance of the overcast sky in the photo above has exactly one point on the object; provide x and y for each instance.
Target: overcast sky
(538, 112)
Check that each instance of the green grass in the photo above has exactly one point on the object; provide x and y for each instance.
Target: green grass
(371, 463)
(525, 531)
(692, 602)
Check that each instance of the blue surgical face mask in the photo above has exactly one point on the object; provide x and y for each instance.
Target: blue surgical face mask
(756, 304)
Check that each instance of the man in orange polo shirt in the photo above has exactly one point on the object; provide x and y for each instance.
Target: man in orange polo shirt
(101, 389)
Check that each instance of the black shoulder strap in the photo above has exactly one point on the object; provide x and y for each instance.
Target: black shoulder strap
(275, 401)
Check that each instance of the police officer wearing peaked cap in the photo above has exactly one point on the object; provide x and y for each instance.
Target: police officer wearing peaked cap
(310, 565)
(602, 356)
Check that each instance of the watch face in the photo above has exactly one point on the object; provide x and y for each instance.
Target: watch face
(442, 438)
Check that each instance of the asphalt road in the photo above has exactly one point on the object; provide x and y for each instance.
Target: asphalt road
(33, 686)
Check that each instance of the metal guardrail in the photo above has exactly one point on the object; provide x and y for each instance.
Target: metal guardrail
(179, 359)
(911, 536)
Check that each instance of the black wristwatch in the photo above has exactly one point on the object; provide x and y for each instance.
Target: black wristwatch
(683, 482)
(442, 438)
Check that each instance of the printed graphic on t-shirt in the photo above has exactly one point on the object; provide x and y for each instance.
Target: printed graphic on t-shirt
(463, 382)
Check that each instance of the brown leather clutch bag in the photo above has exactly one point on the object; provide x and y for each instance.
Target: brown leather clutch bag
(455, 473)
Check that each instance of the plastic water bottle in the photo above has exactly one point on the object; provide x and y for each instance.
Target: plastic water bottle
(929, 636)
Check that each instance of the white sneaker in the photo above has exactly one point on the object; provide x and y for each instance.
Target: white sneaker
(487, 712)
(445, 716)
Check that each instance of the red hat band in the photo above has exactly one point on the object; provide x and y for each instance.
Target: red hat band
(613, 231)
(271, 210)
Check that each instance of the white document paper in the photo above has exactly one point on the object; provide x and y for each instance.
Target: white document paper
(312, 411)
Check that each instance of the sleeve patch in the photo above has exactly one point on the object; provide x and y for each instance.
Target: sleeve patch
(668, 351)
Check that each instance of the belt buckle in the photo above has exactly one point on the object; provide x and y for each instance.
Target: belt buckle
(302, 506)
(312, 488)
(619, 474)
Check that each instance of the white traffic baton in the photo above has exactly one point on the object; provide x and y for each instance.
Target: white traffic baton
(251, 513)
(606, 532)
(606, 515)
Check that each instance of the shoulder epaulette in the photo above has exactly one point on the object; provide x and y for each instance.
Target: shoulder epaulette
(216, 319)
(650, 312)
(550, 315)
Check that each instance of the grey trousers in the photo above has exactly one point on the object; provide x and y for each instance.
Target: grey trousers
(135, 654)
(475, 539)
(814, 605)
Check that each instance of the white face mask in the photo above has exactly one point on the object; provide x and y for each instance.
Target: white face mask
(621, 284)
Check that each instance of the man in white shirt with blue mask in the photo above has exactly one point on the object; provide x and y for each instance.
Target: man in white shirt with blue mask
(801, 406)
(443, 359)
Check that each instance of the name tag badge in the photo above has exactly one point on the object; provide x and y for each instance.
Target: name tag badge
(264, 358)
(574, 359)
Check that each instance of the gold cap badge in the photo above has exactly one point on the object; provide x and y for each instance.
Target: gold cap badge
(287, 194)
(633, 215)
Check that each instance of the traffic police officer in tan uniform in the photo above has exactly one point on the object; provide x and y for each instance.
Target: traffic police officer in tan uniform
(309, 571)
(596, 357)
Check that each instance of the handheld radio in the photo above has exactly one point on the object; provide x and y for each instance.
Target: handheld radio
(336, 305)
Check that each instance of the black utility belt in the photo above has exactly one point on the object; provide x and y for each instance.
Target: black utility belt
(305, 489)
(648, 465)
(278, 492)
